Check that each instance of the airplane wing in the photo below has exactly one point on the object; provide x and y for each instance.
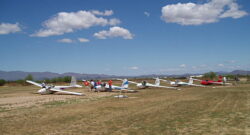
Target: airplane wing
(133, 82)
(63, 87)
(68, 92)
(128, 81)
(151, 85)
(197, 79)
(217, 82)
(127, 90)
(122, 89)
(167, 81)
(221, 83)
(34, 83)
(196, 85)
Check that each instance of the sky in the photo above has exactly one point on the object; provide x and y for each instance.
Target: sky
(124, 37)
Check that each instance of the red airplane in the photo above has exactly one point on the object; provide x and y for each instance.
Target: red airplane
(211, 82)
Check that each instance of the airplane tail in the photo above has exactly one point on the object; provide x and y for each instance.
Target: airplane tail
(191, 80)
(157, 81)
(125, 84)
(224, 79)
(220, 78)
(73, 82)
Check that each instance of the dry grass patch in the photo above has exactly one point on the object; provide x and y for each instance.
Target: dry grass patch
(224, 110)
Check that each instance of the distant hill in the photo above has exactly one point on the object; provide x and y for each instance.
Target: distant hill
(17, 75)
(240, 72)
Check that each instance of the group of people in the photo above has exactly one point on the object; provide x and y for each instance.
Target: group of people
(98, 85)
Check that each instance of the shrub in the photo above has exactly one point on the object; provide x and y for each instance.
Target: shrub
(2, 82)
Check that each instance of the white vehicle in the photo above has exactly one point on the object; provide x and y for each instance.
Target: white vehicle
(51, 89)
(145, 84)
(180, 83)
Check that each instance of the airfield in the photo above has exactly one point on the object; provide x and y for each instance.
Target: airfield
(154, 111)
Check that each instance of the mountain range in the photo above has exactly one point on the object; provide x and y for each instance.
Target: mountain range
(17, 75)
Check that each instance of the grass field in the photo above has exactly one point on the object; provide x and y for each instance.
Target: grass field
(191, 111)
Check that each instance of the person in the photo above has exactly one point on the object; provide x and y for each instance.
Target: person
(92, 85)
(236, 78)
(144, 83)
(95, 86)
(103, 86)
(110, 85)
(224, 80)
(99, 82)
(43, 84)
(86, 83)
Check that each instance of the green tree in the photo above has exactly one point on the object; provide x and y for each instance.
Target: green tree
(28, 77)
(2, 82)
(47, 80)
(210, 75)
(20, 82)
(59, 79)
(248, 78)
(53, 80)
(67, 79)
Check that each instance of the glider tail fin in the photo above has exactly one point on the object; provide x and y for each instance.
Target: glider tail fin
(191, 80)
(73, 81)
(220, 78)
(125, 84)
(157, 81)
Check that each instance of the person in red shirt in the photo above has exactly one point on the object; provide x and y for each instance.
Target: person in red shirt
(110, 85)
(99, 82)
(86, 83)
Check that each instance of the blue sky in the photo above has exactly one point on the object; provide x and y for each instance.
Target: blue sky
(124, 37)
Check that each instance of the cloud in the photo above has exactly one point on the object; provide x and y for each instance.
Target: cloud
(231, 61)
(183, 65)
(203, 66)
(233, 12)
(7, 28)
(114, 32)
(147, 14)
(220, 65)
(66, 22)
(134, 68)
(197, 14)
(105, 13)
(83, 40)
(65, 40)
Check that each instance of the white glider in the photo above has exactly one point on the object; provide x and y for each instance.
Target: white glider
(145, 84)
(180, 83)
(50, 89)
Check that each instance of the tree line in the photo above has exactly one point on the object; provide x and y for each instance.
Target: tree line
(66, 79)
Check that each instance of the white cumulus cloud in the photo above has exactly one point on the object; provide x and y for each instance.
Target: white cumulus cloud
(147, 14)
(105, 13)
(7, 28)
(114, 32)
(183, 65)
(65, 40)
(83, 40)
(220, 65)
(65, 22)
(134, 68)
(197, 14)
